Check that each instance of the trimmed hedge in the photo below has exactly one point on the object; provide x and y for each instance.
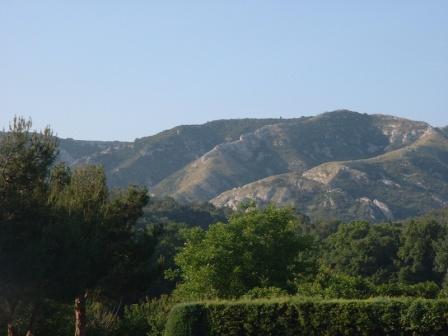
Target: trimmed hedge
(294, 316)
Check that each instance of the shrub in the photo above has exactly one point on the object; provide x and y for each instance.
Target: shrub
(330, 284)
(102, 320)
(188, 320)
(380, 316)
(147, 318)
(265, 293)
(428, 290)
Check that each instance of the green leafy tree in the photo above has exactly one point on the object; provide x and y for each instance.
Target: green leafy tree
(363, 249)
(63, 234)
(441, 257)
(95, 241)
(160, 211)
(257, 248)
(25, 160)
(169, 238)
(418, 250)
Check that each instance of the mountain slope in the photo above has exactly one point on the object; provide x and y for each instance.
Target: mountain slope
(338, 164)
(401, 183)
(293, 146)
(75, 152)
(445, 131)
(148, 160)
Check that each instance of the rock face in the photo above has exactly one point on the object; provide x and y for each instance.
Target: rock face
(294, 146)
(147, 161)
(339, 164)
(397, 184)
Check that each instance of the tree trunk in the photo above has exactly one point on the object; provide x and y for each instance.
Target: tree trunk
(34, 313)
(80, 315)
(11, 330)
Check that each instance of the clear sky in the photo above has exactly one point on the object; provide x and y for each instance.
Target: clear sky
(110, 69)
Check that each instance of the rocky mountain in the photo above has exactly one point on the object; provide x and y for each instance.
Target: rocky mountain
(339, 164)
(294, 146)
(445, 131)
(147, 161)
(401, 183)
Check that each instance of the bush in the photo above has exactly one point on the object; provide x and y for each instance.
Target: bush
(330, 284)
(428, 290)
(265, 293)
(380, 316)
(101, 319)
(147, 318)
(188, 320)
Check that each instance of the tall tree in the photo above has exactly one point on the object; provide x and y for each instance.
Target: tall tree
(62, 232)
(95, 238)
(419, 244)
(257, 248)
(25, 161)
(363, 249)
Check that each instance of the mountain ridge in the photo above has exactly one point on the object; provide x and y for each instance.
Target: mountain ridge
(148, 160)
(317, 164)
(293, 146)
(353, 189)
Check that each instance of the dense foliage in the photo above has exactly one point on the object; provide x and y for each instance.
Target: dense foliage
(63, 235)
(361, 249)
(257, 248)
(310, 317)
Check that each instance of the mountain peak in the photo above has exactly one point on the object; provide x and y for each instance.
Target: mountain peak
(341, 113)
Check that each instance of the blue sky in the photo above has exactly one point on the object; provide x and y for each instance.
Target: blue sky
(125, 69)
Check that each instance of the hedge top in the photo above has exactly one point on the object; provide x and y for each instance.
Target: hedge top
(310, 316)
